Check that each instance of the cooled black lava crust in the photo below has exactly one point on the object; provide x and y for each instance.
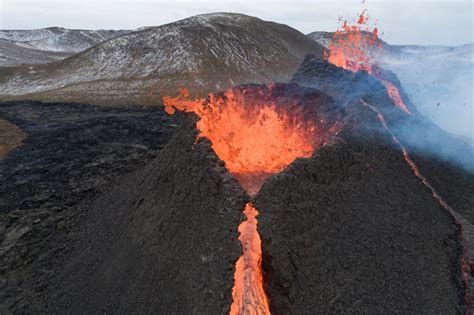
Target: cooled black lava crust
(72, 153)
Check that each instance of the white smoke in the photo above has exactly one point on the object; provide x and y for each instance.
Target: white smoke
(439, 81)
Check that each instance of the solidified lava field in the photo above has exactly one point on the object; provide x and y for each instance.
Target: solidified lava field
(71, 154)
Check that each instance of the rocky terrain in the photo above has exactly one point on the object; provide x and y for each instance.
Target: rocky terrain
(323, 197)
(203, 53)
(71, 154)
(347, 197)
(173, 241)
(40, 46)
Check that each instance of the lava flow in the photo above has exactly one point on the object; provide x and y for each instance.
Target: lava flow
(257, 131)
(352, 48)
(248, 294)
(465, 260)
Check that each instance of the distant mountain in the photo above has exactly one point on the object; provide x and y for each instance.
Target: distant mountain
(438, 80)
(48, 44)
(59, 39)
(203, 53)
(13, 55)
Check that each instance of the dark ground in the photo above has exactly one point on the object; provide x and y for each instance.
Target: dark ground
(71, 154)
(161, 241)
(384, 245)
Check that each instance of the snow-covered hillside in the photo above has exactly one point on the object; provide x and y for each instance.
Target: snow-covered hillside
(13, 55)
(48, 44)
(206, 52)
(59, 39)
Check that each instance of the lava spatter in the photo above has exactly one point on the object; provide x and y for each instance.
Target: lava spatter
(352, 48)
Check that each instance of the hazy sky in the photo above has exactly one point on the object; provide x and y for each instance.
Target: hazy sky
(402, 22)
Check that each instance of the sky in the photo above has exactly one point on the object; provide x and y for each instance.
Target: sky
(420, 22)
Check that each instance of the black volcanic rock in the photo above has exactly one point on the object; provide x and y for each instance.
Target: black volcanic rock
(71, 154)
(352, 230)
(346, 86)
(164, 240)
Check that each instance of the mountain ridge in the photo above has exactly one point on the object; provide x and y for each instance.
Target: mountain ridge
(202, 53)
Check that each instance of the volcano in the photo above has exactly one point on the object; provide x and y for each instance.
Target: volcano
(337, 220)
(309, 196)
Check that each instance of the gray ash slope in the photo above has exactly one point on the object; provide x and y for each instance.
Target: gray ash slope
(204, 53)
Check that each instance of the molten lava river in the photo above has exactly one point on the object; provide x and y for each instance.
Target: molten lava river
(256, 134)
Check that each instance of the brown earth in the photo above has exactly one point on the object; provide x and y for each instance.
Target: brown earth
(10, 137)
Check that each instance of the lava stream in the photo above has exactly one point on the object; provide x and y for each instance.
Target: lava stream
(465, 259)
(248, 294)
(394, 94)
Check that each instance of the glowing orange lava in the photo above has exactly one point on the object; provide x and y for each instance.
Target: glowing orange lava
(248, 294)
(254, 138)
(395, 95)
(352, 48)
